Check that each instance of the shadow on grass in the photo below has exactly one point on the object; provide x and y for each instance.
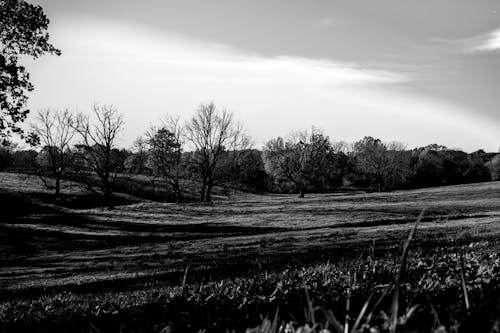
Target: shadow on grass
(14, 205)
(82, 200)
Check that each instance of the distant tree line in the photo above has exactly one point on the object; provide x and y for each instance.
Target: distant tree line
(211, 149)
(309, 161)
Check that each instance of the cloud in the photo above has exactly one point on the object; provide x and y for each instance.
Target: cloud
(486, 43)
(189, 59)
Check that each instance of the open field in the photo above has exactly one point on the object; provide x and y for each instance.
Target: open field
(66, 246)
(48, 249)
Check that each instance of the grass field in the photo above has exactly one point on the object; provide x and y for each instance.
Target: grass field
(137, 252)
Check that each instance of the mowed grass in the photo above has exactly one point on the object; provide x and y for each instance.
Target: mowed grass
(121, 268)
(62, 246)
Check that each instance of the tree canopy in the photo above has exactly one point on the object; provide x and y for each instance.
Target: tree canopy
(302, 159)
(23, 31)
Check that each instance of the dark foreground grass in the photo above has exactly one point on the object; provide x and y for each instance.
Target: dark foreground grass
(239, 302)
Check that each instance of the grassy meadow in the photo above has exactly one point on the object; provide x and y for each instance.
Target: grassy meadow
(146, 266)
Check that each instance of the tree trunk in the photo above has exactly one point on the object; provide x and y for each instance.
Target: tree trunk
(177, 194)
(107, 192)
(202, 191)
(302, 192)
(209, 192)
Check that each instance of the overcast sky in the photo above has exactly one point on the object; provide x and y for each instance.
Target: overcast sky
(419, 72)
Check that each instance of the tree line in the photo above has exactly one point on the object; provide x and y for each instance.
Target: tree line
(208, 150)
(212, 149)
(83, 147)
(309, 161)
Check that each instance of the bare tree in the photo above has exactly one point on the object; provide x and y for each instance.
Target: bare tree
(55, 130)
(98, 142)
(212, 132)
(165, 153)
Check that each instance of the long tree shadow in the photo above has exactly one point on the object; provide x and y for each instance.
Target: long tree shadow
(29, 229)
(18, 239)
(15, 205)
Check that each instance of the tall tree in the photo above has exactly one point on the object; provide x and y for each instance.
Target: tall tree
(211, 132)
(302, 159)
(372, 159)
(429, 166)
(55, 129)
(165, 153)
(338, 165)
(399, 170)
(97, 153)
(23, 31)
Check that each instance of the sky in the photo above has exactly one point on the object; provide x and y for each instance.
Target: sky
(418, 72)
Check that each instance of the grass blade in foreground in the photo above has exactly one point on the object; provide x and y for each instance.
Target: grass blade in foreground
(399, 279)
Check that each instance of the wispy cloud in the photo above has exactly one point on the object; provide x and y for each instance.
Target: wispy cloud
(487, 42)
(188, 59)
(483, 43)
